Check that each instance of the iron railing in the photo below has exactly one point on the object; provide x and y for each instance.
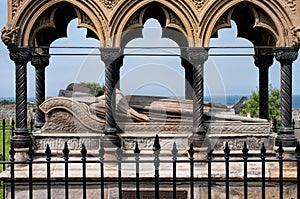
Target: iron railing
(174, 175)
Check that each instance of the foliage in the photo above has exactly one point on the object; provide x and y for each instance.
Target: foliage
(95, 88)
(252, 104)
(6, 102)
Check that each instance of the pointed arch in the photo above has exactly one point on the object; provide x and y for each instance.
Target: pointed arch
(171, 17)
(256, 17)
(48, 21)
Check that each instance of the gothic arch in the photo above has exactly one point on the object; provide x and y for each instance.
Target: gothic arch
(171, 17)
(276, 27)
(47, 22)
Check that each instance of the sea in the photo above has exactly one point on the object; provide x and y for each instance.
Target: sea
(227, 100)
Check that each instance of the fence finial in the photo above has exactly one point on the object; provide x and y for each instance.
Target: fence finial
(156, 145)
(101, 150)
(66, 151)
(119, 153)
(227, 151)
(48, 152)
(83, 151)
(263, 151)
(136, 150)
(174, 151)
(191, 151)
(30, 152)
(209, 151)
(245, 150)
(12, 152)
(298, 150)
(280, 150)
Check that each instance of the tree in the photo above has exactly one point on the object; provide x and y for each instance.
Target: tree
(95, 88)
(252, 104)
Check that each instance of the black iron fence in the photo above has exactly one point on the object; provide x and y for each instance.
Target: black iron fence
(156, 175)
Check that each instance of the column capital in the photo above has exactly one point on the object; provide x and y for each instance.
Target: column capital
(20, 54)
(287, 54)
(109, 55)
(263, 61)
(40, 61)
(197, 55)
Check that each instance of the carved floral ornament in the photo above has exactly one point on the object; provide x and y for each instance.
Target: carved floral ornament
(292, 4)
(109, 4)
(16, 5)
(296, 36)
(10, 35)
(199, 3)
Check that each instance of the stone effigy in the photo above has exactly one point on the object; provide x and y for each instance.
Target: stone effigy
(79, 117)
(87, 113)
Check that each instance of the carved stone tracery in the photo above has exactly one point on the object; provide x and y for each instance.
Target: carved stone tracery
(174, 19)
(85, 19)
(135, 19)
(16, 5)
(292, 4)
(109, 4)
(199, 4)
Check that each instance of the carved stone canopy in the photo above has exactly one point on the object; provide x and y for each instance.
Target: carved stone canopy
(263, 22)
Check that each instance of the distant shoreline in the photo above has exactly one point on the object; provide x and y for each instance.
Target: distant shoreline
(227, 100)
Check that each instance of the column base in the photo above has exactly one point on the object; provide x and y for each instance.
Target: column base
(21, 141)
(111, 139)
(198, 136)
(286, 137)
(38, 125)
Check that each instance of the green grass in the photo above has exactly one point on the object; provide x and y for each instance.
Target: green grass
(7, 146)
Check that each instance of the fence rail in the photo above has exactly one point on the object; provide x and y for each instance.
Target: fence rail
(132, 175)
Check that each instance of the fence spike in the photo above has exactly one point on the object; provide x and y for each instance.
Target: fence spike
(12, 152)
(209, 151)
(83, 151)
(227, 151)
(30, 153)
(137, 150)
(191, 151)
(66, 151)
(174, 151)
(101, 150)
(263, 151)
(297, 150)
(31, 123)
(293, 123)
(245, 150)
(119, 153)
(280, 150)
(156, 145)
(12, 127)
(48, 152)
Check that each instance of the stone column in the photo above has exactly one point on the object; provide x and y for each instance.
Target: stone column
(197, 57)
(286, 56)
(118, 64)
(109, 56)
(40, 62)
(263, 62)
(188, 67)
(21, 56)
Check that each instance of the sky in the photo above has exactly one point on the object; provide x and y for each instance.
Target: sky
(144, 75)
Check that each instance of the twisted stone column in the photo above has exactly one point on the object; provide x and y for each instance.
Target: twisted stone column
(108, 56)
(197, 57)
(118, 63)
(263, 62)
(21, 56)
(188, 67)
(286, 56)
(40, 62)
